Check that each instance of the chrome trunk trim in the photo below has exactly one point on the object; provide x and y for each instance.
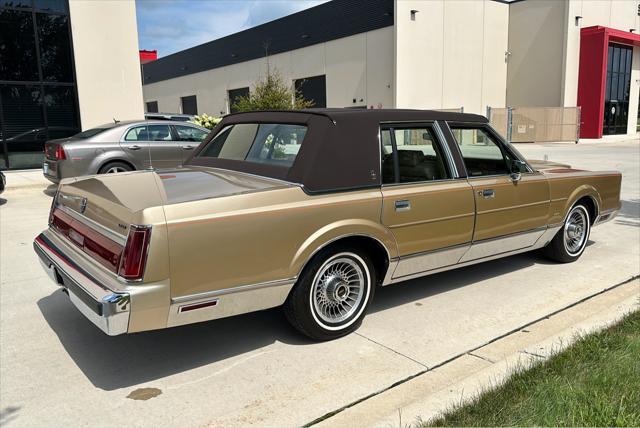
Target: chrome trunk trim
(116, 237)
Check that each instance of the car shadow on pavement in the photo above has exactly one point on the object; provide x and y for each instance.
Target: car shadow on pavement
(122, 361)
(50, 190)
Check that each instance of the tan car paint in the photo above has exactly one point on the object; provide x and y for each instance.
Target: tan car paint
(269, 234)
(516, 206)
(441, 215)
(264, 236)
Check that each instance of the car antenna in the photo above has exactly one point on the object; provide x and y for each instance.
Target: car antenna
(115, 120)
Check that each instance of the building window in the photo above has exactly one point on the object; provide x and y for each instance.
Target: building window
(189, 105)
(38, 97)
(616, 98)
(313, 89)
(152, 107)
(234, 97)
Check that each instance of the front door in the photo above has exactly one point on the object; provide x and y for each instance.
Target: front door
(512, 201)
(135, 145)
(428, 209)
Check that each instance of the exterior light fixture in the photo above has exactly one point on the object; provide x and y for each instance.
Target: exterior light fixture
(413, 14)
(578, 18)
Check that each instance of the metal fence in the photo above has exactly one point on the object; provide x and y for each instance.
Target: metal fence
(536, 124)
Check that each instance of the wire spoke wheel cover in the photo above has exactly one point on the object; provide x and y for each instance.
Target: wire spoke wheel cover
(576, 230)
(339, 291)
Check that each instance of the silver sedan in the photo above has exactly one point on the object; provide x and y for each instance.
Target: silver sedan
(122, 146)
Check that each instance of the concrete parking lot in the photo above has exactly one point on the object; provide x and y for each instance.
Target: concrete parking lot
(58, 369)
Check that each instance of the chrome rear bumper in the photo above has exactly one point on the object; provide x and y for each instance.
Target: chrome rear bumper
(106, 309)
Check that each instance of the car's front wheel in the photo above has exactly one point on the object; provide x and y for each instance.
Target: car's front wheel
(571, 240)
(332, 294)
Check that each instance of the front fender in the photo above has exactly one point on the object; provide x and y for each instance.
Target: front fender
(332, 232)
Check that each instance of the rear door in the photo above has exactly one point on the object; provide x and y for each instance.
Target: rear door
(429, 209)
(165, 150)
(189, 137)
(512, 201)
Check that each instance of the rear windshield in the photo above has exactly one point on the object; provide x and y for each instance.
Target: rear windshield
(266, 143)
(89, 133)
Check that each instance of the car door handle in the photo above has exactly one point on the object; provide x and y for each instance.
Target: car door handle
(134, 147)
(487, 193)
(403, 205)
(189, 147)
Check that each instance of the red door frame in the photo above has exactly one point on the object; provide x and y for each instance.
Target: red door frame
(594, 45)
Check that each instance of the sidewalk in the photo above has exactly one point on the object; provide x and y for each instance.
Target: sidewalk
(460, 379)
(26, 179)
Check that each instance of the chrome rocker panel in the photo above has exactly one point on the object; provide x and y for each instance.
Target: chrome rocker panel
(108, 310)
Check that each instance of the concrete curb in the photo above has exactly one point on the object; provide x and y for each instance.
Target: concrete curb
(427, 394)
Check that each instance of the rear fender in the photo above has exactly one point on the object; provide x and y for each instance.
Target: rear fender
(343, 229)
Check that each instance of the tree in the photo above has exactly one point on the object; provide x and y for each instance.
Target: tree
(272, 93)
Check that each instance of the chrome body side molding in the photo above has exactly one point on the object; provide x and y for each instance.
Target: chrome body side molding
(229, 302)
(502, 244)
(486, 250)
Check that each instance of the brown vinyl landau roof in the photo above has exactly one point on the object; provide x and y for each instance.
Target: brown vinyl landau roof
(341, 150)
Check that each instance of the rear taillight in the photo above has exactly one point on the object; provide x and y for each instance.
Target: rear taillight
(60, 154)
(134, 257)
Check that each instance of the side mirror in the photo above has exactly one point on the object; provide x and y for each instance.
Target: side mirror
(515, 174)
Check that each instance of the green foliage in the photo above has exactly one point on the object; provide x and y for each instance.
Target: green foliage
(272, 93)
(595, 382)
(206, 121)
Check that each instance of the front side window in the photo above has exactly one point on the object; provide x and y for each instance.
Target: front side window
(418, 156)
(138, 133)
(482, 154)
(267, 143)
(189, 133)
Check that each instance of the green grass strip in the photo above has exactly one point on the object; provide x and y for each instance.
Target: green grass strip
(594, 382)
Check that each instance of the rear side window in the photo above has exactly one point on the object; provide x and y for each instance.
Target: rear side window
(267, 143)
(159, 133)
(411, 155)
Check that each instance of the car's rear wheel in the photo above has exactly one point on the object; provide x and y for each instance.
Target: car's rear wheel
(332, 294)
(571, 240)
(115, 167)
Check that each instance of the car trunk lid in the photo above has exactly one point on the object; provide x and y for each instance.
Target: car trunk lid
(196, 183)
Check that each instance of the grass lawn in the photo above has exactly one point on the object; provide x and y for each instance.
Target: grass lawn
(594, 382)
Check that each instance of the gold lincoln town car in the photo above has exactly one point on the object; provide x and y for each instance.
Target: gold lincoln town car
(310, 210)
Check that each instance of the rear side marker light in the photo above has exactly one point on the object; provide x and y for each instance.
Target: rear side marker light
(134, 257)
(188, 308)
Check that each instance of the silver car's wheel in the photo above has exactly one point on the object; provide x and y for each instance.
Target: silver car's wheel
(115, 169)
(338, 288)
(575, 230)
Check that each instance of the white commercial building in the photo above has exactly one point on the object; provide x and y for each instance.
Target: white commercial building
(435, 54)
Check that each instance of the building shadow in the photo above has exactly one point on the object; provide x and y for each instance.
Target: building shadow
(122, 361)
(2, 201)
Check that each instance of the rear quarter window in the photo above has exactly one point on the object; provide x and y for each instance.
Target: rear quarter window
(265, 143)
